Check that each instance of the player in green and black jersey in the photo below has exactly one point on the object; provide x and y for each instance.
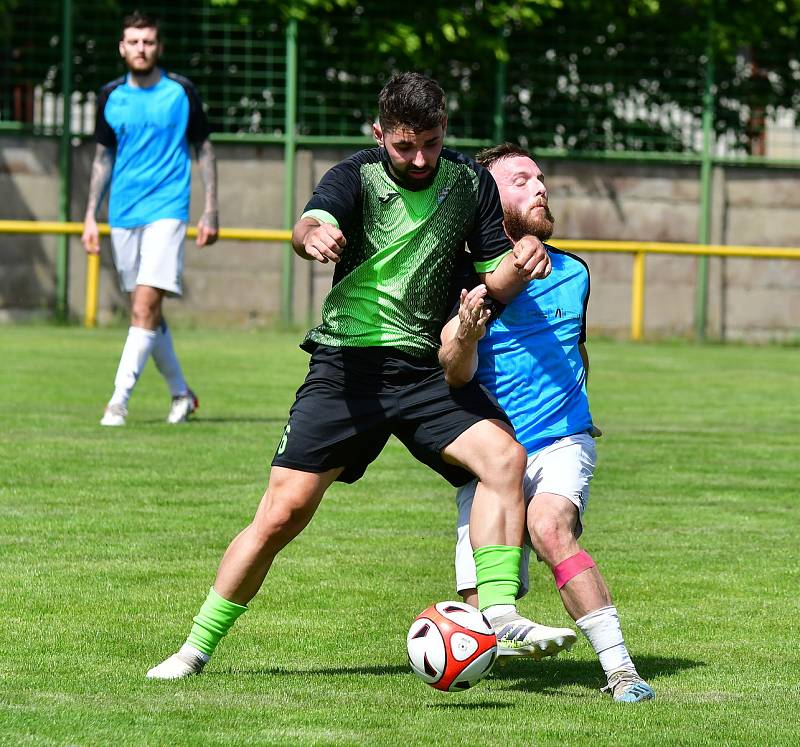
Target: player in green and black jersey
(395, 220)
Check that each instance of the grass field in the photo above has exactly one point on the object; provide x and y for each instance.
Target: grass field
(109, 540)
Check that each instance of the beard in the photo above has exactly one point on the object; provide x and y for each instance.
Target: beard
(409, 182)
(519, 224)
(143, 69)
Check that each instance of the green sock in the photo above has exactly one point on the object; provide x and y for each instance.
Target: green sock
(214, 620)
(497, 571)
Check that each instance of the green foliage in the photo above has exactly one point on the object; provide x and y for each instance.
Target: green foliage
(581, 75)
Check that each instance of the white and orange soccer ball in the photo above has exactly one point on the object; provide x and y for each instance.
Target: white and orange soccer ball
(451, 646)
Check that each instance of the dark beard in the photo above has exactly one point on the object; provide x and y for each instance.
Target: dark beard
(143, 73)
(520, 224)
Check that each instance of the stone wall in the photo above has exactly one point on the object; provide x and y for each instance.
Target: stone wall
(237, 283)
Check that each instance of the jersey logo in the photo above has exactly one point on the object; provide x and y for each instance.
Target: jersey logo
(440, 198)
(388, 197)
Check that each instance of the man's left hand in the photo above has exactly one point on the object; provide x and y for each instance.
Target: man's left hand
(531, 259)
(473, 314)
(207, 230)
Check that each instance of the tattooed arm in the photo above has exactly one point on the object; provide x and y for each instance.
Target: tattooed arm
(102, 167)
(208, 226)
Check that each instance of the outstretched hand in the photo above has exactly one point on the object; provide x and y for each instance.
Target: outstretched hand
(473, 314)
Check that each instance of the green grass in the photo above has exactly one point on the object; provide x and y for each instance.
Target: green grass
(110, 538)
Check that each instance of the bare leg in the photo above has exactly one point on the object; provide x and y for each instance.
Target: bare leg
(146, 307)
(551, 523)
(285, 510)
(496, 523)
(492, 454)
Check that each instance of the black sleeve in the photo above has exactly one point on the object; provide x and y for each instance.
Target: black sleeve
(583, 268)
(582, 337)
(487, 239)
(103, 133)
(197, 128)
(466, 277)
(339, 192)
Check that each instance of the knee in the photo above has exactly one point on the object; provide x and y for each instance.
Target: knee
(279, 524)
(281, 517)
(507, 463)
(551, 537)
(144, 315)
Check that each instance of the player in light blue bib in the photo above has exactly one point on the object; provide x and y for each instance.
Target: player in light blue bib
(146, 121)
(532, 356)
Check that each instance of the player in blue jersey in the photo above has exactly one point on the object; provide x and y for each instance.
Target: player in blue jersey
(146, 122)
(531, 355)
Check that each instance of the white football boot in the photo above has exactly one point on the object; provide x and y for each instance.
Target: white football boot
(626, 686)
(186, 662)
(182, 407)
(114, 415)
(518, 636)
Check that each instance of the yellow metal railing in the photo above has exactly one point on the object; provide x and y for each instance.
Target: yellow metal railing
(93, 260)
(639, 250)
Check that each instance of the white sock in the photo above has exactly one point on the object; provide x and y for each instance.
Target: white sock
(137, 350)
(188, 650)
(496, 610)
(602, 629)
(167, 362)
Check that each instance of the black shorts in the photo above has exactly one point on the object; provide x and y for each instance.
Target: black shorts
(353, 399)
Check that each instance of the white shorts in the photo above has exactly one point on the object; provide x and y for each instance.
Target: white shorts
(564, 468)
(150, 255)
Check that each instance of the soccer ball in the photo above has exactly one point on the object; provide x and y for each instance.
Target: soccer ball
(451, 646)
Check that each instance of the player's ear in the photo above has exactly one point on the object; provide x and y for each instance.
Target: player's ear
(444, 125)
(377, 133)
(122, 48)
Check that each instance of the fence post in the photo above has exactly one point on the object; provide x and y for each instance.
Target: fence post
(289, 147)
(706, 184)
(65, 163)
(637, 297)
(498, 129)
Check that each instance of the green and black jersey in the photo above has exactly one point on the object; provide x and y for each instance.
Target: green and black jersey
(392, 286)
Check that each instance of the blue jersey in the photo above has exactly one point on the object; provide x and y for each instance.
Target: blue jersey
(529, 358)
(150, 129)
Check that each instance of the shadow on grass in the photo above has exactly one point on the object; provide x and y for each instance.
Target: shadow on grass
(550, 676)
(149, 422)
(518, 674)
(492, 705)
(386, 670)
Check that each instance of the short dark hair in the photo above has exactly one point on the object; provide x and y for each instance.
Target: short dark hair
(139, 20)
(490, 156)
(411, 100)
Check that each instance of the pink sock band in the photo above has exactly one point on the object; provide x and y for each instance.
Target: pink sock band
(567, 569)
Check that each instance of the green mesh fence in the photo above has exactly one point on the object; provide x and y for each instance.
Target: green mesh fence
(574, 85)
